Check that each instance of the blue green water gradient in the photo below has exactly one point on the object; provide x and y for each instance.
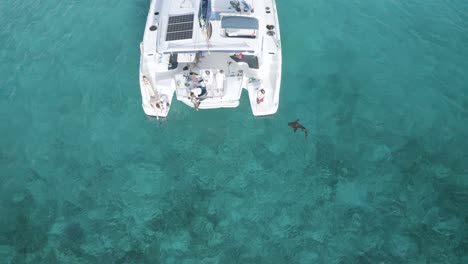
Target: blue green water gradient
(86, 177)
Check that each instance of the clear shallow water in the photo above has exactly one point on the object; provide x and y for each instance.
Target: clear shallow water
(86, 177)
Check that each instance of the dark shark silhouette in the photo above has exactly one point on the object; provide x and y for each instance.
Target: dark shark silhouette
(295, 125)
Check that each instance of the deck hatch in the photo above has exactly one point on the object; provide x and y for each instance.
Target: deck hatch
(180, 27)
(239, 22)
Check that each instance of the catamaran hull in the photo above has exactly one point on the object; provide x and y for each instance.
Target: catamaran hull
(188, 43)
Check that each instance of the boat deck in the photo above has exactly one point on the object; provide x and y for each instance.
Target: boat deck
(223, 77)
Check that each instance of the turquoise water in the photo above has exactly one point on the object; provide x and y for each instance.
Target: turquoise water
(86, 177)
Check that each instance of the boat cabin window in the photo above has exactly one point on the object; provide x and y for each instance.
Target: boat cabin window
(239, 26)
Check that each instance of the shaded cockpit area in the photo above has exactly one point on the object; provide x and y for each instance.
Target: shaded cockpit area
(251, 60)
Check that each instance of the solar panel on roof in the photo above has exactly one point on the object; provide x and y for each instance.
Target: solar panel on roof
(181, 19)
(180, 27)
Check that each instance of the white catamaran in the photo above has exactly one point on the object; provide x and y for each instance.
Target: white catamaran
(206, 51)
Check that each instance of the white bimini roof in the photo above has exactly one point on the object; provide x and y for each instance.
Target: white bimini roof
(200, 25)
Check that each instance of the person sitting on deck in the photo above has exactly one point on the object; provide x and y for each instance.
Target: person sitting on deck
(195, 100)
(199, 91)
(201, 88)
(260, 96)
(199, 84)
